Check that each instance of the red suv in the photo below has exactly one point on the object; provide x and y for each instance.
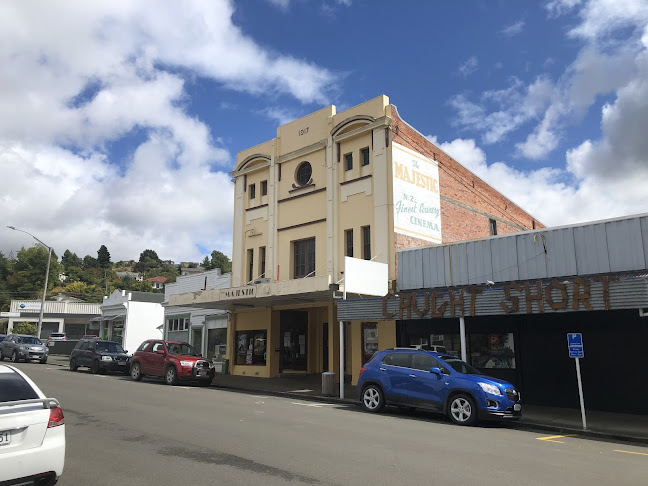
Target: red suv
(172, 360)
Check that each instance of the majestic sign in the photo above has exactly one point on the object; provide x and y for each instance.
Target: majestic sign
(417, 203)
(238, 292)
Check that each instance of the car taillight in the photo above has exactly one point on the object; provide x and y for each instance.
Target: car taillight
(361, 371)
(56, 417)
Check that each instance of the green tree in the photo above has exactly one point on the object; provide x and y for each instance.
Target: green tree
(103, 257)
(70, 260)
(25, 328)
(90, 262)
(5, 271)
(29, 270)
(220, 260)
(206, 263)
(148, 259)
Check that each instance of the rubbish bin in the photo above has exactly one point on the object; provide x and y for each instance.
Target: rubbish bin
(328, 384)
(225, 368)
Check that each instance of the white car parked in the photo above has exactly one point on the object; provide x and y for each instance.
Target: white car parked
(32, 431)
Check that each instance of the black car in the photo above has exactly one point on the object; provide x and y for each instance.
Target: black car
(100, 356)
(2, 336)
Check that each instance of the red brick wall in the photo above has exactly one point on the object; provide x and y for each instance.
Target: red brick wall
(478, 202)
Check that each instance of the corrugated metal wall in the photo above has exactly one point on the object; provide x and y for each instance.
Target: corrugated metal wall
(619, 245)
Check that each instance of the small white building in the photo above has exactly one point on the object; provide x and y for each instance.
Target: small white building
(130, 318)
(205, 329)
(63, 315)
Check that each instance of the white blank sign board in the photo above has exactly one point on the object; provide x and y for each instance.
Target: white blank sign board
(365, 277)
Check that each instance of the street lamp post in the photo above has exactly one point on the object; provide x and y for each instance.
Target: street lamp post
(49, 256)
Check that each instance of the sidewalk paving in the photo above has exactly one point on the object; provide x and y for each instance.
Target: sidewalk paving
(561, 421)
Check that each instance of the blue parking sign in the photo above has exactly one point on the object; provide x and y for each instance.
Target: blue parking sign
(575, 345)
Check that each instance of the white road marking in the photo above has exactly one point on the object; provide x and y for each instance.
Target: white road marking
(315, 405)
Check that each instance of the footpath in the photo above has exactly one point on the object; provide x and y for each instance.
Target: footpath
(621, 427)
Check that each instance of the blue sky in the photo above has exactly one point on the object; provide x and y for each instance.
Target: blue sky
(122, 119)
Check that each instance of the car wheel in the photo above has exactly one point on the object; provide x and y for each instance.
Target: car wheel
(171, 375)
(373, 399)
(95, 367)
(136, 372)
(14, 357)
(462, 410)
(42, 361)
(73, 364)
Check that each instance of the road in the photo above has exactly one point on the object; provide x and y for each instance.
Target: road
(147, 433)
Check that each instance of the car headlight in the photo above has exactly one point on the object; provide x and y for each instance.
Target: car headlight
(188, 364)
(106, 358)
(488, 388)
(23, 348)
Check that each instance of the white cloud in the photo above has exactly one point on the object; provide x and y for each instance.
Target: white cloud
(468, 67)
(514, 29)
(80, 77)
(555, 196)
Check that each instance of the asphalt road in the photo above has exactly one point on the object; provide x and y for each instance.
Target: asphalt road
(147, 433)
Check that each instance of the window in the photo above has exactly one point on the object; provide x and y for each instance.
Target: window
(364, 156)
(251, 347)
(424, 362)
(304, 258)
(348, 161)
(143, 346)
(250, 254)
(369, 340)
(156, 347)
(264, 188)
(398, 359)
(84, 346)
(348, 239)
(252, 191)
(178, 324)
(492, 350)
(492, 227)
(262, 260)
(15, 387)
(366, 242)
(304, 174)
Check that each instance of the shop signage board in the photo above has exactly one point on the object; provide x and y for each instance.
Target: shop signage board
(238, 292)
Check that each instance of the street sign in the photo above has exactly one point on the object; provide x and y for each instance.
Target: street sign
(575, 345)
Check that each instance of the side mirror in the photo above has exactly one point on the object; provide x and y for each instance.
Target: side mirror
(160, 351)
(436, 370)
(125, 351)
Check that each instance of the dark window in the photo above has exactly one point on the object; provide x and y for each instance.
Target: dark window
(251, 347)
(304, 174)
(366, 242)
(304, 258)
(252, 191)
(348, 161)
(398, 359)
(144, 345)
(262, 260)
(348, 238)
(364, 156)
(264, 188)
(157, 346)
(492, 227)
(84, 345)
(14, 387)
(424, 362)
(369, 340)
(250, 265)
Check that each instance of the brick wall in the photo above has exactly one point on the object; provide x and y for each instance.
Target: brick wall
(467, 202)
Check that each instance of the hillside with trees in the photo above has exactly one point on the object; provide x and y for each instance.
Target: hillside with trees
(89, 278)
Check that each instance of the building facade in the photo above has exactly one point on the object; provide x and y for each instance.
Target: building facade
(360, 183)
(72, 318)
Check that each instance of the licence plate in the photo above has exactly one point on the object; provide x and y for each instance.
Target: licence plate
(517, 407)
(5, 437)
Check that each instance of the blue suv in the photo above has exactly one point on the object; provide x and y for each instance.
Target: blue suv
(415, 378)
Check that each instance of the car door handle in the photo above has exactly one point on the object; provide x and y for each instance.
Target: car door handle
(412, 376)
(383, 369)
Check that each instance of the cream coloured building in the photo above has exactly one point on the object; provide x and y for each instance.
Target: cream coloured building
(358, 183)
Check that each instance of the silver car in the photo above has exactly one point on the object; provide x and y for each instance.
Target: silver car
(23, 347)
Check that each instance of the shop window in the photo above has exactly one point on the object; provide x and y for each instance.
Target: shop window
(348, 161)
(369, 340)
(492, 351)
(304, 258)
(217, 344)
(264, 188)
(364, 156)
(251, 347)
(348, 238)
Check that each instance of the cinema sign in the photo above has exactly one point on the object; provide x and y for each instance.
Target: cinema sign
(530, 297)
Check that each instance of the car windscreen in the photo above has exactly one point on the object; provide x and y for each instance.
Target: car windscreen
(459, 366)
(14, 387)
(28, 340)
(181, 348)
(108, 347)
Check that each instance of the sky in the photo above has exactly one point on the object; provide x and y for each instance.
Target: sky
(121, 120)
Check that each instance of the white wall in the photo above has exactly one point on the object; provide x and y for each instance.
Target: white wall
(142, 322)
